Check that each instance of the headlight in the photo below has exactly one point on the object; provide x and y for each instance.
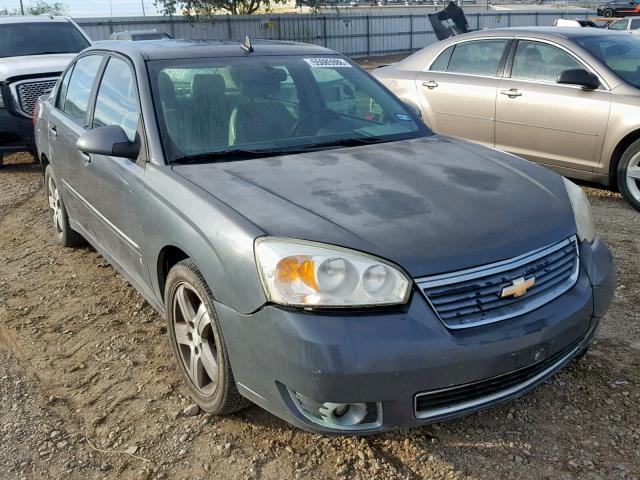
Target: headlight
(310, 274)
(581, 211)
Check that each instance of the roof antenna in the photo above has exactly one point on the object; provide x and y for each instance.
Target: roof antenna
(246, 45)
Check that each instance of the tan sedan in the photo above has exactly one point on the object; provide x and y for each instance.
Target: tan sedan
(567, 98)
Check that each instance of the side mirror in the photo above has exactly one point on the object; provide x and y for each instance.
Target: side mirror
(579, 76)
(110, 140)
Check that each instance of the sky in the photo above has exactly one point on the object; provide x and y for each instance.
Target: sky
(96, 8)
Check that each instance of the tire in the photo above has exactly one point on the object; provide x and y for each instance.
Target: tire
(197, 342)
(608, 13)
(628, 175)
(63, 232)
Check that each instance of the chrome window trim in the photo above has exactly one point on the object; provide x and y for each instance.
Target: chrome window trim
(497, 267)
(14, 91)
(465, 405)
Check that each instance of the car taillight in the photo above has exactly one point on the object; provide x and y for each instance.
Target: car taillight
(36, 112)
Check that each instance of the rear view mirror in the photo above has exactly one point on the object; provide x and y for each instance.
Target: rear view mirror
(579, 76)
(110, 140)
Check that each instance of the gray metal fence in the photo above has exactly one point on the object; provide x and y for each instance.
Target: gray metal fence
(352, 34)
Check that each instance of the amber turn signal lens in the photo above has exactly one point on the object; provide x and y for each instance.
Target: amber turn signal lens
(292, 269)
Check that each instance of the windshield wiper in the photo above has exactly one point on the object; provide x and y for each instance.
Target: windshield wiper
(226, 156)
(340, 142)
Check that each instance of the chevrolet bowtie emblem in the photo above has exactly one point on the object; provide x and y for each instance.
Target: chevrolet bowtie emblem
(518, 287)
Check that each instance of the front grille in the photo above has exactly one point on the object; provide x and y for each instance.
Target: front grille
(473, 297)
(472, 395)
(29, 92)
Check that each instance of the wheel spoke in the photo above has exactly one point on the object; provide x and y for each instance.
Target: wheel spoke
(185, 304)
(201, 319)
(209, 363)
(633, 172)
(52, 202)
(182, 333)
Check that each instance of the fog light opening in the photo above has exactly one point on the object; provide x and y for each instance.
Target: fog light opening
(344, 414)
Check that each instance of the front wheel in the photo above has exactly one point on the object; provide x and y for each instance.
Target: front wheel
(197, 342)
(608, 13)
(63, 232)
(628, 175)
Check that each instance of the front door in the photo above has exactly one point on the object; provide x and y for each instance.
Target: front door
(458, 91)
(562, 126)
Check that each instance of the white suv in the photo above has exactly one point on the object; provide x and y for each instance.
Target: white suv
(33, 53)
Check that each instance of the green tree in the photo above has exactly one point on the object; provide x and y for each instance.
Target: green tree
(204, 8)
(39, 7)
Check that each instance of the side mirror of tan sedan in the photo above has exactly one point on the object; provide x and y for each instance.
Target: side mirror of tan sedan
(579, 76)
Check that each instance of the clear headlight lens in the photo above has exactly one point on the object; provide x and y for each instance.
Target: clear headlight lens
(310, 274)
(581, 211)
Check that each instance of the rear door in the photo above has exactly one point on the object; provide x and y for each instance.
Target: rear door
(559, 125)
(67, 121)
(112, 186)
(458, 90)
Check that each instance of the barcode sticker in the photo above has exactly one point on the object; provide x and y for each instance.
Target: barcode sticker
(329, 62)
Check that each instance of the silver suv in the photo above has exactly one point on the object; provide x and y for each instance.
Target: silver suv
(33, 53)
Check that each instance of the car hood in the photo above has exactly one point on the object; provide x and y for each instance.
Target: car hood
(431, 205)
(11, 67)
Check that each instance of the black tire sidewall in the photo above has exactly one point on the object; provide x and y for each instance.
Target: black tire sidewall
(608, 13)
(621, 174)
(186, 272)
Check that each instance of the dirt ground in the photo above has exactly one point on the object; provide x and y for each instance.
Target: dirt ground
(88, 387)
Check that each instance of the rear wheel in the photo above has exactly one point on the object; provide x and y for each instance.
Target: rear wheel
(196, 340)
(63, 232)
(608, 13)
(628, 175)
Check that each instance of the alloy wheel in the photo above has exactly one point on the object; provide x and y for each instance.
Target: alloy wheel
(195, 339)
(633, 177)
(55, 205)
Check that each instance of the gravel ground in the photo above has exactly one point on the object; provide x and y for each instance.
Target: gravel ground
(88, 387)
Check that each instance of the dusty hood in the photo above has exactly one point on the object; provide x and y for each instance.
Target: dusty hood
(34, 64)
(431, 205)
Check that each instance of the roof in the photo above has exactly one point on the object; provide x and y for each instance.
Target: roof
(31, 19)
(565, 32)
(172, 49)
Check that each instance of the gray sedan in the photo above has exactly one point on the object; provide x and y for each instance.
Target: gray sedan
(314, 248)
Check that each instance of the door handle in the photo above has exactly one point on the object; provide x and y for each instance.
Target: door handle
(53, 131)
(430, 84)
(511, 93)
(86, 158)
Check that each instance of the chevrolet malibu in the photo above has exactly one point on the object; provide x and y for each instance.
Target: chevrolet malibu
(314, 248)
(567, 98)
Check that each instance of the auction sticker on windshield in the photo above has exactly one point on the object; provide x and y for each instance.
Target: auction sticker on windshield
(330, 62)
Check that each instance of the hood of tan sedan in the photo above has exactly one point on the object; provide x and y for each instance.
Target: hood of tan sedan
(431, 205)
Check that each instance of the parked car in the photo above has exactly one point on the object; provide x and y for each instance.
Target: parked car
(619, 8)
(567, 98)
(136, 35)
(347, 271)
(626, 24)
(33, 53)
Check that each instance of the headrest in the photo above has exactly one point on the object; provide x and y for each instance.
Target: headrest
(166, 88)
(532, 55)
(258, 81)
(206, 85)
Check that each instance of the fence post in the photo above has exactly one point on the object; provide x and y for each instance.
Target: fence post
(537, 19)
(368, 38)
(173, 25)
(278, 19)
(477, 21)
(324, 30)
(229, 28)
(411, 32)
(508, 19)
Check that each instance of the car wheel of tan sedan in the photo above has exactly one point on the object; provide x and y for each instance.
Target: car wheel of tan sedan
(629, 175)
(196, 340)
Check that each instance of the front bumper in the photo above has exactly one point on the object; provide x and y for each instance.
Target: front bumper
(388, 357)
(16, 131)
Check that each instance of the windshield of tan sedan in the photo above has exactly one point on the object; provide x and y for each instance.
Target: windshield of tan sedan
(620, 52)
(270, 104)
(40, 38)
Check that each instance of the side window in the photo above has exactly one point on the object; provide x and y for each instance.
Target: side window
(62, 90)
(635, 24)
(480, 57)
(79, 88)
(619, 25)
(441, 63)
(117, 99)
(540, 62)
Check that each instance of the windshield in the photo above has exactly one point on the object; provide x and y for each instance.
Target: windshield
(620, 52)
(40, 38)
(248, 107)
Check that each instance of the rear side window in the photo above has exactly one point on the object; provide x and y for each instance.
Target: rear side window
(540, 62)
(480, 57)
(62, 91)
(619, 25)
(117, 99)
(442, 62)
(79, 89)
(635, 24)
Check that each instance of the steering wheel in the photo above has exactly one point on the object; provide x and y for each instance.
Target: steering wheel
(329, 116)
